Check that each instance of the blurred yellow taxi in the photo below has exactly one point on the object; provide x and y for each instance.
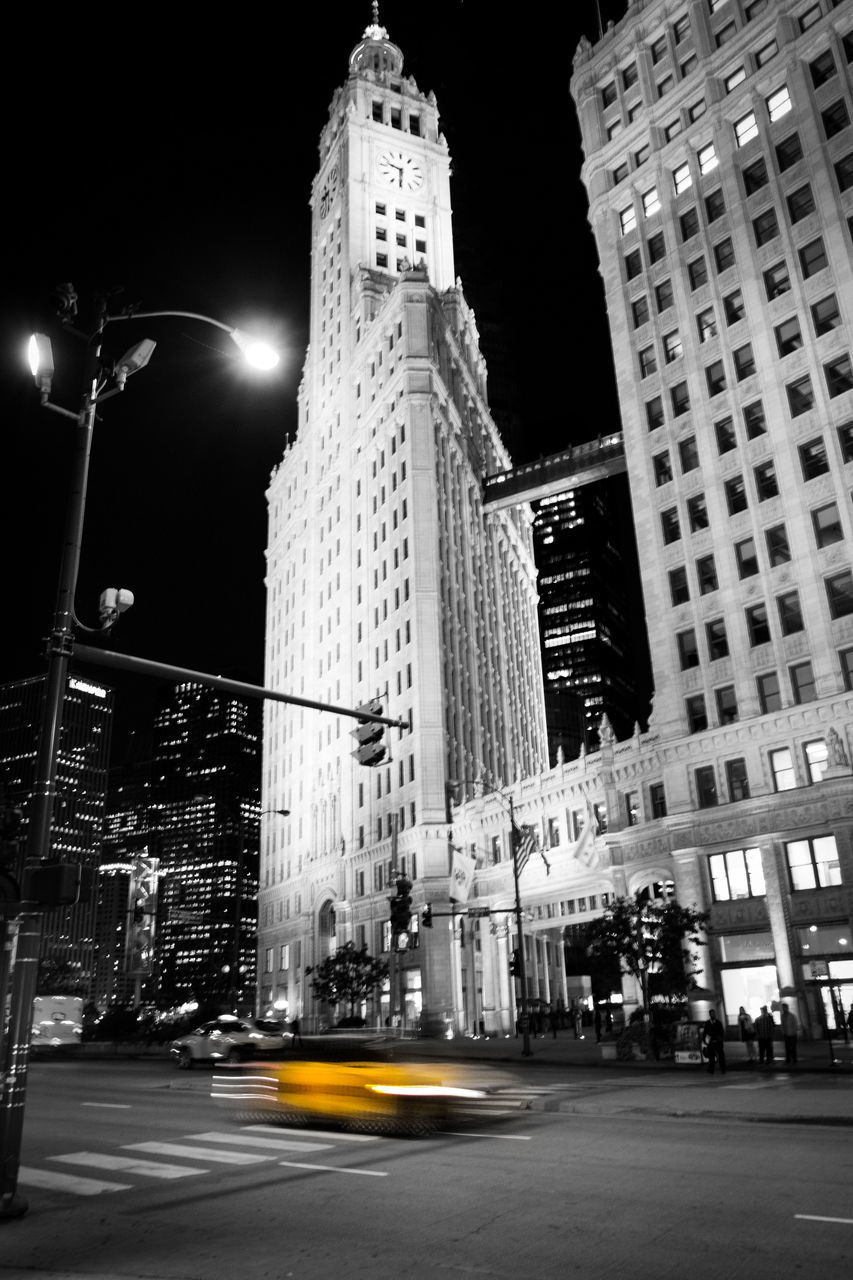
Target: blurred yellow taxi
(388, 1097)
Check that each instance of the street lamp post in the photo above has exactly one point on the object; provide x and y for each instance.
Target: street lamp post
(522, 962)
(60, 649)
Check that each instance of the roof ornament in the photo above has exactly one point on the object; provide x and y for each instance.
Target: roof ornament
(375, 31)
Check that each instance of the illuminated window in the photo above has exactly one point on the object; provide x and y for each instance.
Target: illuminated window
(736, 874)
(779, 103)
(782, 769)
(746, 129)
(651, 202)
(813, 863)
(682, 178)
(816, 755)
(707, 157)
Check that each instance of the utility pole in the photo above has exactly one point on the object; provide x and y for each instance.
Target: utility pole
(522, 962)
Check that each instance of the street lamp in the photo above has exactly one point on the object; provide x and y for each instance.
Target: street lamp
(101, 381)
(514, 834)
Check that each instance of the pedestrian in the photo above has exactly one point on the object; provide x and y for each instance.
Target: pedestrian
(714, 1040)
(850, 1019)
(608, 1022)
(747, 1034)
(790, 1027)
(764, 1029)
(597, 1021)
(553, 1020)
(578, 1018)
(296, 1032)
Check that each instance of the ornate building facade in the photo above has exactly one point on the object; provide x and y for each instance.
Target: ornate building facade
(385, 577)
(719, 166)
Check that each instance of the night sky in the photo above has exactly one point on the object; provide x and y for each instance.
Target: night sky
(169, 158)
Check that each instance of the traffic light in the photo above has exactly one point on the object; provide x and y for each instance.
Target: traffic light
(515, 964)
(58, 884)
(426, 917)
(401, 913)
(370, 749)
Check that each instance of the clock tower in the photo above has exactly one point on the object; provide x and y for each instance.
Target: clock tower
(386, 579)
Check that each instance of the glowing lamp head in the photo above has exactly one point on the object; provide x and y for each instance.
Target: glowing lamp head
(260, 355)
(40, 357)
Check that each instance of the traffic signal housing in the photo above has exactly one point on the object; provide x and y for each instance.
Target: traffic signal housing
(515, 964)
(370, 749)
(401, 913)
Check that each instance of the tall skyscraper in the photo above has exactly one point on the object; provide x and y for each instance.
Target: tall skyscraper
(719, 165)
(67, 949)
(385, 577)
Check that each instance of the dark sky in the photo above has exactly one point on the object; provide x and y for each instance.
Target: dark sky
(170, 157)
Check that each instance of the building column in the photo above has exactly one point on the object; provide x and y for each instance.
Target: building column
(504, 1010)
(690, 892)
(778, 913)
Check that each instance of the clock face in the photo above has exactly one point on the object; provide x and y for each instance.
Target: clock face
(400, 171)
(327, 195)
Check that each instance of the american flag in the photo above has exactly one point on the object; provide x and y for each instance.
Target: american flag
(527, 842)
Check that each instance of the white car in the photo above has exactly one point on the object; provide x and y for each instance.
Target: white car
(231, 1039)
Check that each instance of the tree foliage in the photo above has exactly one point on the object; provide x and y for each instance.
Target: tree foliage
(655, 941)
(347, 977)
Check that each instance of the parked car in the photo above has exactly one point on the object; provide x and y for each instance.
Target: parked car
(231, 1039)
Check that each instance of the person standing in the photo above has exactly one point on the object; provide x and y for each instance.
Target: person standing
(747, 1034)
(714, 1039)
(597, 1021)
(764, 1028)
(790, 1027)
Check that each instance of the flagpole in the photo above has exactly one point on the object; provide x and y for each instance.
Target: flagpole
(522, 962)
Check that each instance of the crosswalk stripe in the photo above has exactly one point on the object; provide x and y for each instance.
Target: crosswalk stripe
(197, 1153)
(276, 1144)
(315, 1133)
(53, 1180)
(149, 1168)
(332, 1168)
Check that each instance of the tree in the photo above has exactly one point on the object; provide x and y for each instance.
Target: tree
(347, 977)
(654, 941)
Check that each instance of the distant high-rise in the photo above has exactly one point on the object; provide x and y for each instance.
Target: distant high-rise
(593, 643)
(67, 951)
(203, 830)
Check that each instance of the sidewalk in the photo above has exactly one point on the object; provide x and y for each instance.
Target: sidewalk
(818, 1089)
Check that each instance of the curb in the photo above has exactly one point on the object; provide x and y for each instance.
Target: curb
(614, 1112)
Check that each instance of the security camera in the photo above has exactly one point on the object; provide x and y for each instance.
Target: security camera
(113, 601)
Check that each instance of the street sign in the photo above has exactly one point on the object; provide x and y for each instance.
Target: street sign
(476, 913)
(819, 968)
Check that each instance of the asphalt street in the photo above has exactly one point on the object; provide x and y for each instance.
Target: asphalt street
(583, 1169)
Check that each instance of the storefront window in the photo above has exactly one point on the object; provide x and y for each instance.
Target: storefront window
(752, 985)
